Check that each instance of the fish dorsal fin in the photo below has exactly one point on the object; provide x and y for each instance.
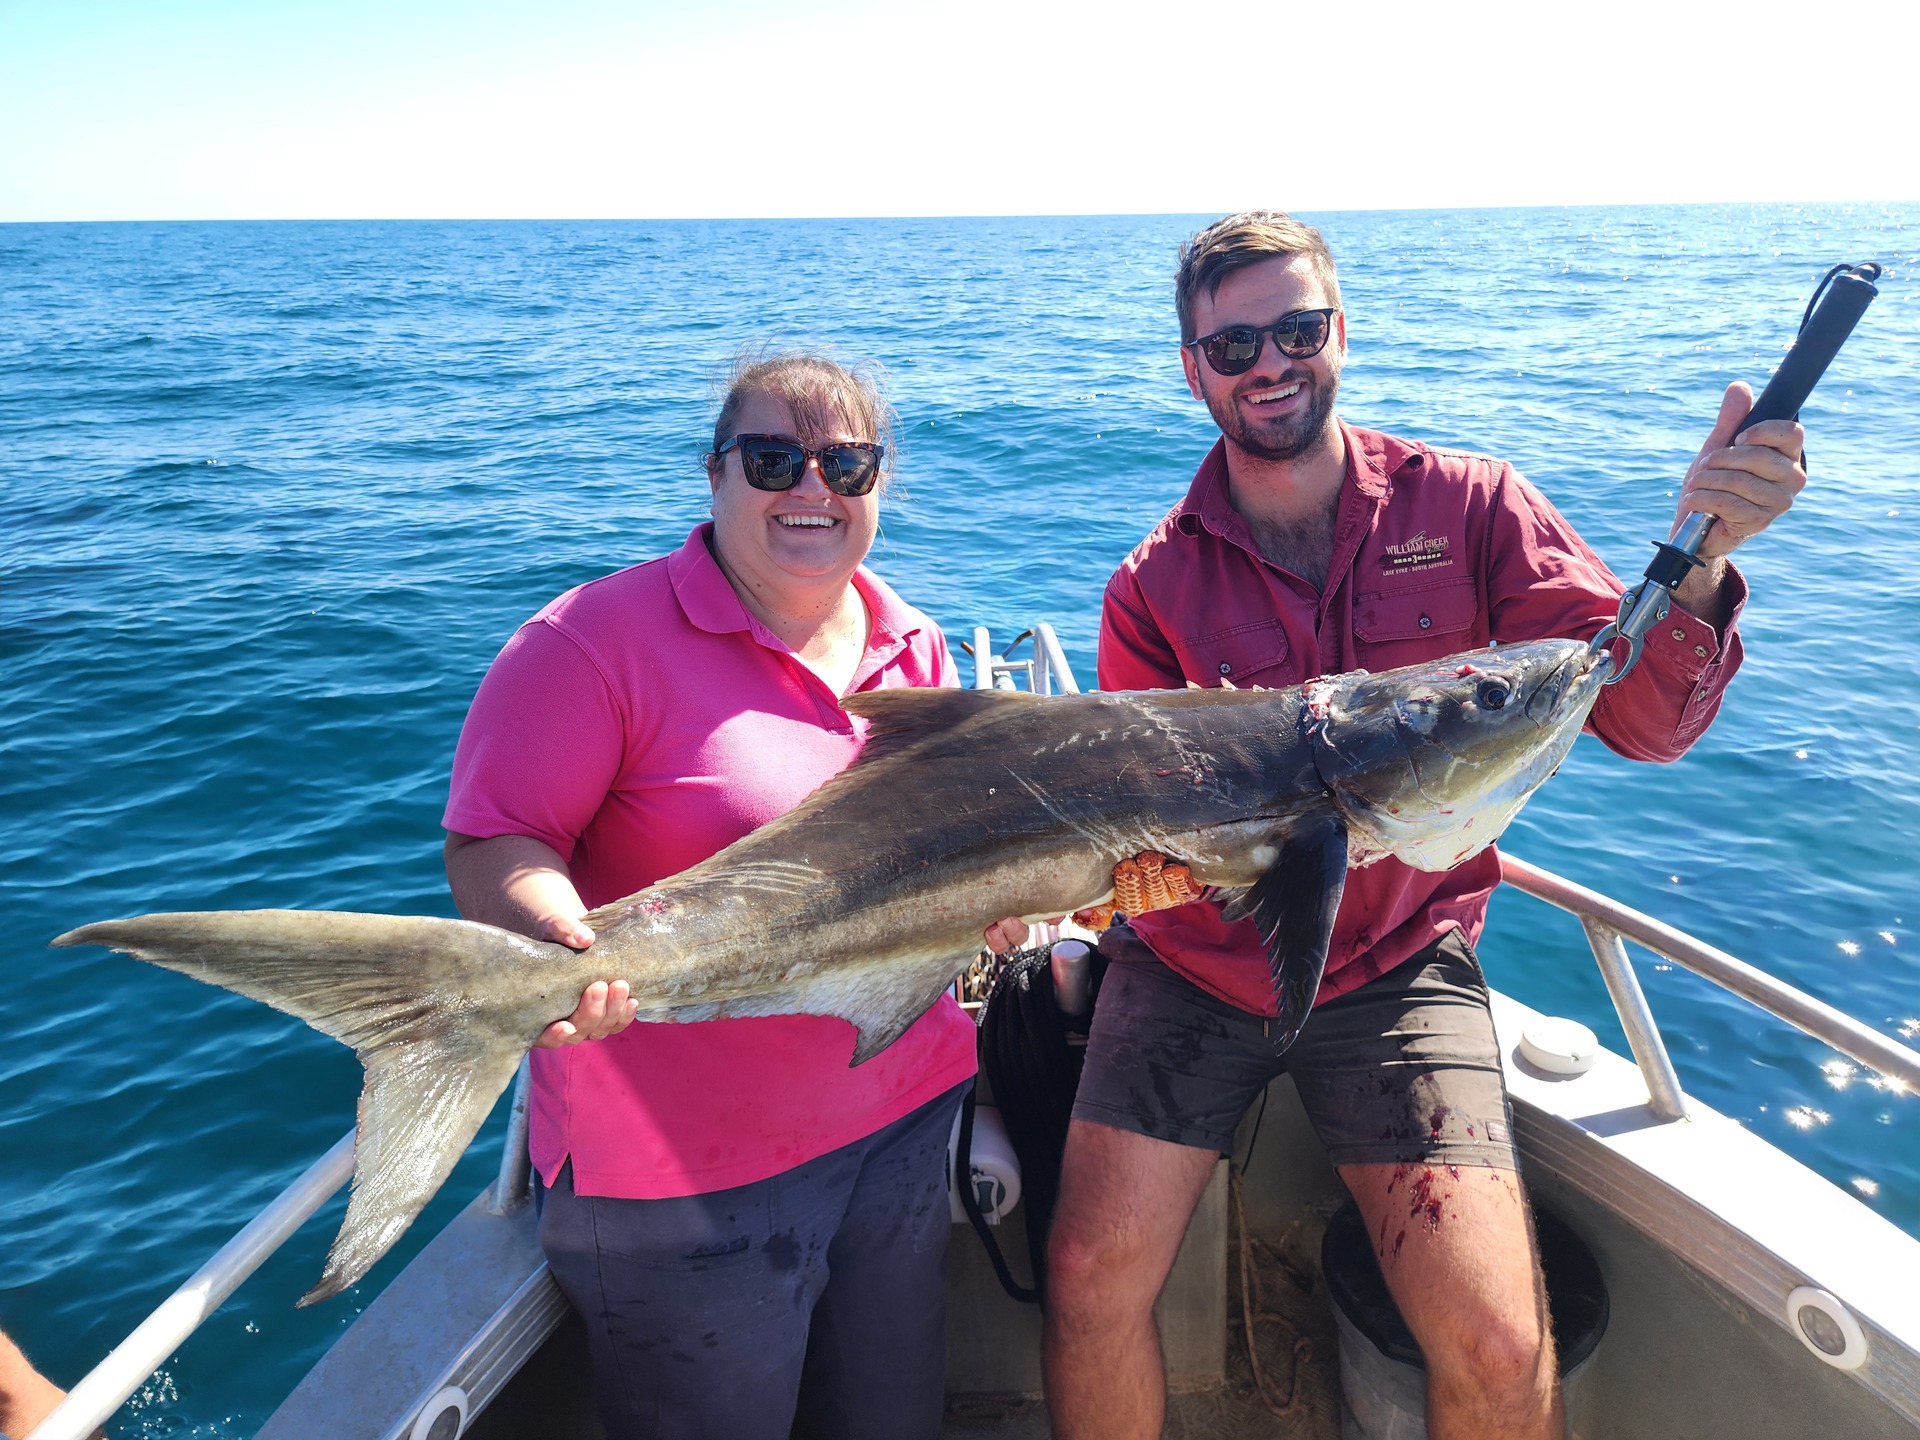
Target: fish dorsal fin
(1293, 906)
(902, 717)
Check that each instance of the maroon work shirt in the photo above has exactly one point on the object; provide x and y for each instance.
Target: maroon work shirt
(1434, 552)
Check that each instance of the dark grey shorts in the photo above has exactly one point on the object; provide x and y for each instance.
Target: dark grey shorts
(1405, 1069)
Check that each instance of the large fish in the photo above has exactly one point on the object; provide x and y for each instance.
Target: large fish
(862, 903)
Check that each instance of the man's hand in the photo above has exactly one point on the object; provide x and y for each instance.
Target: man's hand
(26, 1396)
(1746, 477)
(1141, 883)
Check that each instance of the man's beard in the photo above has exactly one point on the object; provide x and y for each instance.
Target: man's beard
(1280, 439)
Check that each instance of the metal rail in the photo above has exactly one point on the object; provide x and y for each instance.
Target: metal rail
(515, 1184)
(1664, 1094)
(1607, 921)
(1054, 671)
(1046, 670)
(110, 1382)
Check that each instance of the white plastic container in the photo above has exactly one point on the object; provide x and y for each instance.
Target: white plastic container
(994, 1167)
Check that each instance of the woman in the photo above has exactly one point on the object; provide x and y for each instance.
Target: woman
(746, 1224)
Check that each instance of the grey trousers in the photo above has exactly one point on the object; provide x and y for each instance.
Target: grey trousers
(812, 1303)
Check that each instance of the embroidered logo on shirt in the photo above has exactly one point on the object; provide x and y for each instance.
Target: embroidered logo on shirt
(1422, 552)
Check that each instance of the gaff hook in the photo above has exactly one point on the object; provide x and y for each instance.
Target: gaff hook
(1838, 303)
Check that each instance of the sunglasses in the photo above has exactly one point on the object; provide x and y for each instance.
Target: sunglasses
(1299, 334)
(771, 463)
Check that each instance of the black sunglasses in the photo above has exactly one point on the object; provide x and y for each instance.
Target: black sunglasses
(1300, 334)
(771, 463)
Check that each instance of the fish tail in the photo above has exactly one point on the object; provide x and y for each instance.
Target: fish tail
(437, 1010)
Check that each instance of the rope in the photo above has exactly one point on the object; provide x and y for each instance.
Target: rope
(1253, 1308)
(969, 1202)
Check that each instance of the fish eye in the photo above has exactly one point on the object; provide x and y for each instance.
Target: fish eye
(1493, 694)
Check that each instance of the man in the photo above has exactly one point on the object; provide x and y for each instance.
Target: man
(26, 1396)
(1307, 547)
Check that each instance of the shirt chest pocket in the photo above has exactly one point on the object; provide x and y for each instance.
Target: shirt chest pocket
(1401, 627)
(1246, 655)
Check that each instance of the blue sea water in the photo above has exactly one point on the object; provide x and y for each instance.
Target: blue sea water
(272, 495)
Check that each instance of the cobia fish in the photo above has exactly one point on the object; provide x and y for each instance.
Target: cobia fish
(964, 806)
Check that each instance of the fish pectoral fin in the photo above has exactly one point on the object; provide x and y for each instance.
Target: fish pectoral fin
(1235, 902)
(1293, 906)
(885, 1015)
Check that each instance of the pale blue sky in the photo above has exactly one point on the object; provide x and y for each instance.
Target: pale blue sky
(580, 108)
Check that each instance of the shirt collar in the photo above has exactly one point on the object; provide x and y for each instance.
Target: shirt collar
(1372, 461)
(701, 586)
(709, 601)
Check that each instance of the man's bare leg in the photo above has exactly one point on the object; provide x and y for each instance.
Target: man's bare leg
(1456, 1249)
(1125, 1201)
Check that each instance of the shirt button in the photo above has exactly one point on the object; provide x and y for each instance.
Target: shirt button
(1225, 668)
(1701, 651)
(1679, 634)
(1426, 622)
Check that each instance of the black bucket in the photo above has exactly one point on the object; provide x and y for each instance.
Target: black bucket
(1382, 1371)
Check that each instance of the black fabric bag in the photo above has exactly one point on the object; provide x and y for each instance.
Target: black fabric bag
(1033, 1070)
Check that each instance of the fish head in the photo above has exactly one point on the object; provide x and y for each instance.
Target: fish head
(1429, 763)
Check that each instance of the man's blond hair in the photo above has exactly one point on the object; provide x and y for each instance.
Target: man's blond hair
(1241, 240)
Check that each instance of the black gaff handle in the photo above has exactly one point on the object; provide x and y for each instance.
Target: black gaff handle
(1835, 309)
(1838, 303)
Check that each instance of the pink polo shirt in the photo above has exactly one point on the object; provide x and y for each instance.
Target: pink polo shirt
(637, 725)
(1434, 552)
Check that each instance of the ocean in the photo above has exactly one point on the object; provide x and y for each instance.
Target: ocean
(275, 494)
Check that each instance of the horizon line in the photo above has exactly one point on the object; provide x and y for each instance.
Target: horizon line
(955, 215)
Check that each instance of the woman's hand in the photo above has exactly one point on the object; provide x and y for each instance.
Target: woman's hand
(1003, 937)
(521, 884)
(605, 1009)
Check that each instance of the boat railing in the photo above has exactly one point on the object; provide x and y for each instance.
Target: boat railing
(1046, 670)
(128, 1366)
(1607, 922)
